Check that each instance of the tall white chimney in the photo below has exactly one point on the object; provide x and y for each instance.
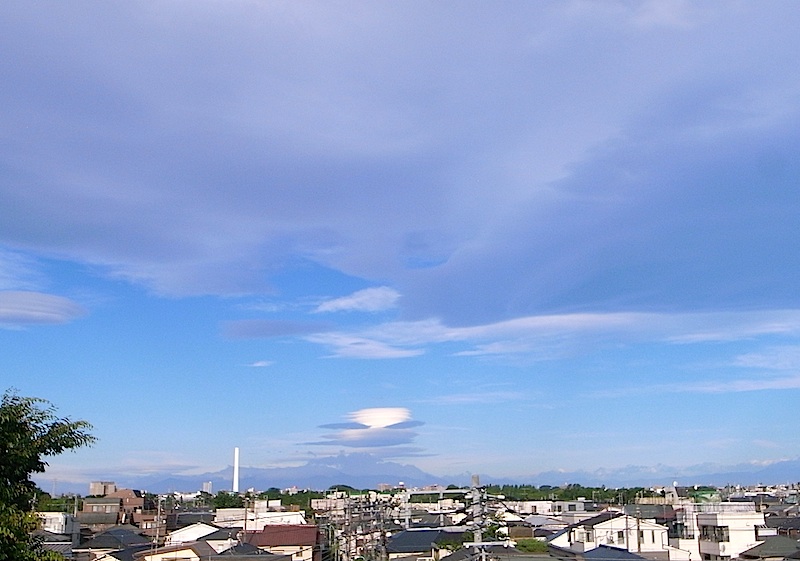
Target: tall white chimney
(236, 470)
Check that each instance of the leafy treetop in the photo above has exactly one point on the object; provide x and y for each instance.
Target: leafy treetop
(29, 432)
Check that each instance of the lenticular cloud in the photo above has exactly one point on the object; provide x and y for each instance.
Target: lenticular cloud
(373, 428)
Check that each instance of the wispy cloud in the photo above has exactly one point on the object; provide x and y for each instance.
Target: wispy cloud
(368, 300)
(553, 335)
(350, 346)
(771, 358)
(18, 308)
(18, 272)
(261, 363)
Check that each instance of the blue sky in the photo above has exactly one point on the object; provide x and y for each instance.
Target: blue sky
(476, 237)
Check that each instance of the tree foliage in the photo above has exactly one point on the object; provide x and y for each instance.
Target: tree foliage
(29, 432)
(224, 499)
(531, 545)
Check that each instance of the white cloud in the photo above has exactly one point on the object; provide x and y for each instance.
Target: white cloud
(373, 428)
(548, 336)
(380, 417)
(348, 346)
(772, 358)
(18, 272)
(367, 300)
(18, 308)
(261, 363)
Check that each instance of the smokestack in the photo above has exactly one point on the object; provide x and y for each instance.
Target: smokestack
(236, 470)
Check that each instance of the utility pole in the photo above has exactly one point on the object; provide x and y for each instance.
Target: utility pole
(638, 531)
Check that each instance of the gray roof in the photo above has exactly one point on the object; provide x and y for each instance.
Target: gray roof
(660, 512)
(607, 553)
(773, 546)
(416, 541)
(600, 518)
(114, 538)
(783, 522)
(497, 552)
(128, 554)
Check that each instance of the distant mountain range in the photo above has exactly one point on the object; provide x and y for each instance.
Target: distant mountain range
(364, 471)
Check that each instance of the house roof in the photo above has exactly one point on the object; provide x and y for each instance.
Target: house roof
(773, 546)
(180, 519)
(496, 552)
(414, 541)
(604, 516)
(274, 535)
(128, 553)
(50, 537)
(661, 512)
(199, 548)
(783, 522)
(222, 534)
(114, 538)
(607, 553)
(246, 551)
(126, 494)
(63, 548)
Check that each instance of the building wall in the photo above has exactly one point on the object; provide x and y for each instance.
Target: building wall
(724, 535)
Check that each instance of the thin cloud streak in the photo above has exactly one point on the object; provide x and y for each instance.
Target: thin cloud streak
(19, 308)
(368, 300)
(540, 334)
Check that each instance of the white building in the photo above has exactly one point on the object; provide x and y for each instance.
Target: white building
(59, 523)
(615, 529)
(724, 535)
(254, 521)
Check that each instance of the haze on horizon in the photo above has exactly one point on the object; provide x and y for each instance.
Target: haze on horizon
(474, 237)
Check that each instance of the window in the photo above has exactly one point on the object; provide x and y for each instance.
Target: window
(621, 536)
(714, 533)
(572, 508)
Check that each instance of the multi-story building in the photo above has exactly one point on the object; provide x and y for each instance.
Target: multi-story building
(724, 535)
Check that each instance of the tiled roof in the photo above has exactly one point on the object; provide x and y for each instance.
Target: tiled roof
(114, 538)
(274, 535)
(783, 522)
(599, 519)
(773, 546)
(412, 541)
(606, 553)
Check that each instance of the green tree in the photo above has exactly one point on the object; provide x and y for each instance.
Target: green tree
(29, 432)
(224, 499)
(531, 545)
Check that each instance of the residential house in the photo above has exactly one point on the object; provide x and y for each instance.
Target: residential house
(58, 543)
(131, 501)
(204, 551)
(615, 529)
(724, 535)
(100, 513)
(788, 526)
(422, 542)
(112, 540)
(300, 541)
(774, 548)
(191, 533)
(250, 520)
